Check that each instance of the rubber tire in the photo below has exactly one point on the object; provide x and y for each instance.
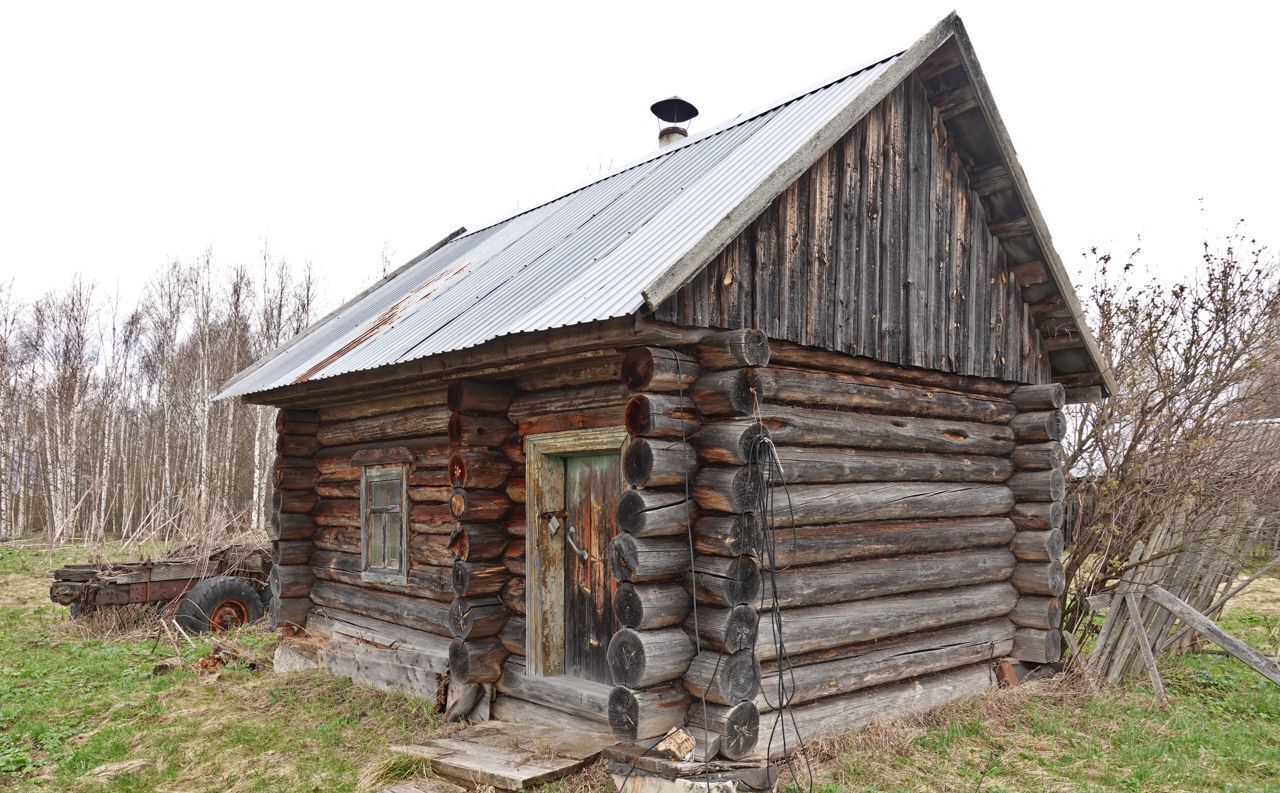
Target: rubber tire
(205, 597)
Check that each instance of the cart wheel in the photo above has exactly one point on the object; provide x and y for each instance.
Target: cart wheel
(217, 604)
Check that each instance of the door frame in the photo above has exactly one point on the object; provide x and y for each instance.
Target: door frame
(544, 587)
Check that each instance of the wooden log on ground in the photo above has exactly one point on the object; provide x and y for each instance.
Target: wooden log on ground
(723, 678)
(425, 615)
(1038, 646)
(476, 660)
(1049, 396)
(293, 501)
(290, 527)
(727, 630)
(474, 618)
(479, 396)
(478, 429)
(815, 628)
(641, 715)
(1037, 546)
(640, 659)
(738, 726)
(1038, 516)
(1037, 456)
(817, 504)
(290, 612)
(743, 391)
(733, 349)
(1039, 427)
(838, 715)
(797, 426)
(654, 513)
(431, 582)
(479, 469)
(727, 582)
(413, 423)
(1034, 611)
(854, 667)
(478, 506)
(728, 535)
(665, 416)
(658, 369)
(647, 559)
(872, 578)
(512, 595)
(512, 635)
(536, 404)
(291, 581)
(288, 552)
(811, 545)
(478, 542)
(471, 579)
(730, 442)
(650, 606)
(1045, 486)
(659, 463)
(1039, 578)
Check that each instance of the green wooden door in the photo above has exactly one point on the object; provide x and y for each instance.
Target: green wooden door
(591, 487)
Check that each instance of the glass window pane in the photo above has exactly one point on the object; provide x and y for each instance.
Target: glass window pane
(376, 526)
(394, 551)
(384, 493)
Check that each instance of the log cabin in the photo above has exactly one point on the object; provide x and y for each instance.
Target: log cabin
(765, 422)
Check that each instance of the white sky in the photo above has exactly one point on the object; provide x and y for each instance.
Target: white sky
(132, 133)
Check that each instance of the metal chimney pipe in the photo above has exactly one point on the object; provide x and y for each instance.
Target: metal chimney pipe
(674, 112)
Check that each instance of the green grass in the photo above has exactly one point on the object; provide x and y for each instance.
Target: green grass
(76, 702)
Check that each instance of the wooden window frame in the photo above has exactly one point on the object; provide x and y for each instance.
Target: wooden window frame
(544, 591)
(384, 575)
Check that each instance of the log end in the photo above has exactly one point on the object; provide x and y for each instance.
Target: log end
(637, 369)
(627, 659)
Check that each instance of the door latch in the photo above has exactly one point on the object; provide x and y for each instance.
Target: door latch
(553, 518)
(572, 536)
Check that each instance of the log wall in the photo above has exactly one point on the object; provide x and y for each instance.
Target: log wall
(292, 527)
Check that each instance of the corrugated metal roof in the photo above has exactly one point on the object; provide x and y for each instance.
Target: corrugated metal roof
(585, 256)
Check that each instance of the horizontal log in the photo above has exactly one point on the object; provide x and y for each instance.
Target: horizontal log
(293, 501)
(406, 646)
(383, 455)
(366, 406)
(659, 463)
(471, 579)
(809, 678)
(1037, 456)
(518, 711)
(658, 369)
(743, 391)
(822, 627)
(433, 518)
(728, 535)
(781, 734)
(413, 612)
(797, 426)
(478, 468)
(474, 618)
(476, 660)
(1039, 578)
(342, 539)
(338, 489)
(513, 557)
(872, 578)
(515, 490)
(604, 369)
(661, 416)
(338, 508)
(1039, 427)
(290, 581)
(816, 504)
(286, 477)
(598, 418)
(650, 606)
(641, 715)
(429, 477)
(286, 526)
(512, 595)
(429, 549)
(478, 542)
(536, 404)
(512, 636)
(733, 349)
(812, 545)
(297, 422)
(729, 489)
(478, 429)
(654, 513)
(737, 725)
(801, 357)
(1049, 396)
(640, 659)
(479, 396)
(286, 612)
(1037, 546)
(727, 582)
(647, 559)
(478, 506)
(730, 441)
(1038, 646)
(727, 630)
(831, 465)
(1034, 611)
(1037, 515)
(297, 445)
(723, 678)
(1038, 485)
(289, 552)
(336, 463)
(515, 523)
(513, 448)
(412, 423)
(584, 699)
(431, 582)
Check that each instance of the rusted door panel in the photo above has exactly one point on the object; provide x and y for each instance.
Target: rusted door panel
(592, 485)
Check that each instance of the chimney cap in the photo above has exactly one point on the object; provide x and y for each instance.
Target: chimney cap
(673, 110)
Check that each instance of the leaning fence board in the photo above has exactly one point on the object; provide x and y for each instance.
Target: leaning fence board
(1210, 630)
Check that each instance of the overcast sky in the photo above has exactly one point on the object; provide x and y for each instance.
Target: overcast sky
(131, 134)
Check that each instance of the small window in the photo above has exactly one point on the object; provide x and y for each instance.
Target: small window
(382, 524)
